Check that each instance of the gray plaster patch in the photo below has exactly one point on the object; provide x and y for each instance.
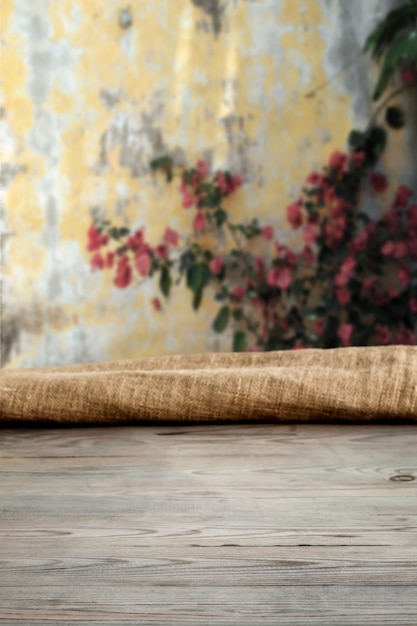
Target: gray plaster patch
(125, 18)
(110, 97)
(9, 335)
(215, 11)
(8, 171)
(239, 143)
(51, 231)
(348, 25)
(139, 138)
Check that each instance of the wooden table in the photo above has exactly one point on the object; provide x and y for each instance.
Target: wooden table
(214, 525)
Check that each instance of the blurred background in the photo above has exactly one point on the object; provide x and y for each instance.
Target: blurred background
(93, 90)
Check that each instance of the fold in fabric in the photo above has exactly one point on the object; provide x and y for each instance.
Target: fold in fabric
(348, 384)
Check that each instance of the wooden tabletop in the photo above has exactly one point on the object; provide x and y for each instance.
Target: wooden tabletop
(214, 525)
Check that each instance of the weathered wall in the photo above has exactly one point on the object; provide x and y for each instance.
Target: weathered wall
(93, 90)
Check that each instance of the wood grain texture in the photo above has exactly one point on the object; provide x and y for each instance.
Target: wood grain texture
(243, 525)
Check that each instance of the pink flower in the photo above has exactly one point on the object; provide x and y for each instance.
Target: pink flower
(403, 275)
(384, 334)
(238, 292)
(188, 199)
(183, 186)
(254, 349)
(289, 256)
(310, 233)
(318, 326)
(371, 228)
(412, 248)
(202, 168)
(267, 233)
(156, 304)
(315, 179)
(259, 266)
(237, 181)
(388, 248)
(307, 256)
(348, 265)
(338, 162)
(402, 197)
(412, 216)
(279, 277)
(199, 221)
(341, 279)
(396, 250)
(413, 305)
(357, 158)
(345, 334)
(294, 215)
(161, 251)
(216, 265)
(95, 239)
(405, 336)
(97, 262)
(171, 236)
(359, 243)
(369, 283)
(343, 296)
(143, 263)
(330, 195)
(109, 260)
(123, 276)
(136, 241)
(222, 183)
(346, 270)
(392, 220)
(400, 249)
(391, 293)
(339, 208)
(378, 182)
(334, 231)
(409, 74)
(299, 346)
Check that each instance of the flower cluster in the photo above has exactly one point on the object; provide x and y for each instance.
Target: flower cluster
(351, 281)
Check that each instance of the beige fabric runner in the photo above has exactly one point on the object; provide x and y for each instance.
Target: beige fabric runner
(318, 385)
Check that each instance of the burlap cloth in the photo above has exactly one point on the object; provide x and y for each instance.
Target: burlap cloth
(318, 385)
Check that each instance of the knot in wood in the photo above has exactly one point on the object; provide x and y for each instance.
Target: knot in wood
(404, 478)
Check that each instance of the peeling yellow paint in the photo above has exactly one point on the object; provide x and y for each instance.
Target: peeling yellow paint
(19, 109)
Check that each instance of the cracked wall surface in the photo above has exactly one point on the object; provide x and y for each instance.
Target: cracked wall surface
(94, 89)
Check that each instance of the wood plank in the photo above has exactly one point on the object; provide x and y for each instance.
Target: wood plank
(249, 524)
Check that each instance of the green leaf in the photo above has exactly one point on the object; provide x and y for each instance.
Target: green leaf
(197, 298)
(402, 50)
(386, 31)
(165, 281)
(123, 231)
(114, 233)
(238, 314)
(220, 216)
(311, 314)
(161, 163)
(222, 319)
(165, 164)
(198, 276)
(395, 118)
(240, 342)
(357, 140)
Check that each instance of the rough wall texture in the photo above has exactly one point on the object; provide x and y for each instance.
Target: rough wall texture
(92, 89)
